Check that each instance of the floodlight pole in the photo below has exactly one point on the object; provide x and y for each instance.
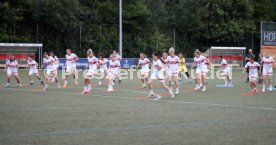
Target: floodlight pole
(120, 29)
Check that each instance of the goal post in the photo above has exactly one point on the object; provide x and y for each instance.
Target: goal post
(21, 52)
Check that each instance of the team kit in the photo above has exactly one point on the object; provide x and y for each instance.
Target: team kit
(170, 64)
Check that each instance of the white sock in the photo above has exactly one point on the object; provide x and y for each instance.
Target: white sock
(151, 91)
(65, 82)
(46, 85)
(263, 86)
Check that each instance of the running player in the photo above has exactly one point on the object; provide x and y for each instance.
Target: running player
(207, 65)
(103, 67)
(32, 64)
(173, 62)
(165, 62)
(144, 64)
(56, 62)
(158, 73)
(253, 73)
(92, 70)
(199, 62)
(12, 70)
(71, 59)
(226, 71)
(183, 68)
(260, 81)
(267, 61)
(113, 71)
(51, 71)
(119, 58)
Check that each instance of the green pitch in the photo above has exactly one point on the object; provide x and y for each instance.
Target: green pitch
(228, 116)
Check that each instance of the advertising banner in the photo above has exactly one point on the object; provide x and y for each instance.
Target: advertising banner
(268, 39)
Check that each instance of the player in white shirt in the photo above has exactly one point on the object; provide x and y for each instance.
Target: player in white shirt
(173, 66)
(12, 70)
(226, 71)
(119, 58)
(113, 71)
(207, 65)
(252, 65)
(144, 72)
(32, 64)
(103, 67)
(267, 62)
(51, 71)
(157, 73)
(71, 68)
(165, 64)
(92, 71)
(56, 63)
(199, 62)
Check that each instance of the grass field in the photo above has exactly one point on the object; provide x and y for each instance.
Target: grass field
(224, 116)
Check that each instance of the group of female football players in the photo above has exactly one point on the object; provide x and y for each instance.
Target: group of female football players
(168, 67)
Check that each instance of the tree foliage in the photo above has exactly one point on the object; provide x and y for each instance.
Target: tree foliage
(147, 25)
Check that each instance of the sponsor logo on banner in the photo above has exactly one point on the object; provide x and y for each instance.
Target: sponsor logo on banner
(269, 38)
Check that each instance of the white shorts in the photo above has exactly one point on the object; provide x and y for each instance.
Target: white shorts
(201, 71)
(112, 74)
(157, 75)
(173, 72)
(144, 72)
(69, 69)
(11, 72)
(226, 71)
(51, 71)
(267, 71)
(56, 66)
(253, 77)
(33, 72)
(102, 70)
(91, 72)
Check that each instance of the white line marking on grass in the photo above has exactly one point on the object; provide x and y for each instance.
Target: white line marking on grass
(168, 101)
(96, 130)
